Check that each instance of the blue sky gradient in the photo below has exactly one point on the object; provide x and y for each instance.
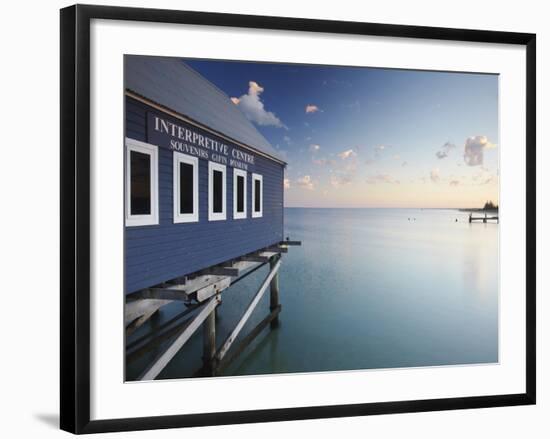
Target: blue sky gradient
(370, 137)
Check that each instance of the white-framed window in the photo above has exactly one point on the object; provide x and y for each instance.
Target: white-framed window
(257, 196)
(186, 188)
(141, 183)
(216, 192)
(239, 193)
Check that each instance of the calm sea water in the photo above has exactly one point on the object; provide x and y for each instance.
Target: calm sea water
(368, 288)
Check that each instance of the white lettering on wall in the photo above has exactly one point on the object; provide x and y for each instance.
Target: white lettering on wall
(191, 142)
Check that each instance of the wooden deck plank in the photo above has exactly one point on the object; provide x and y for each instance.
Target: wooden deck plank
(223, 271)
(179, 292)
(135, 309)
(210, 290)
(255, 258)
(164, 358)
(277, 249)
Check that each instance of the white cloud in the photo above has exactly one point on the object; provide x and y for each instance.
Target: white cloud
(314, 148)
(490, 179)
(287, 140)
(484, 177)
(445, 150)
(379, 149)
(323, 162)
(351, 166)
(474, 149)
(254, 109)
(286, 182)
(306, 182)
(382, 178)
(337, 181)
(435, 176)
(347, 154)
(310, 108)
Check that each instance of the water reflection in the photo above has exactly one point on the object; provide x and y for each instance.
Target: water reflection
(369, 289)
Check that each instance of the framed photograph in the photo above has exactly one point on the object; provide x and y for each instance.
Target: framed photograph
(272, 218)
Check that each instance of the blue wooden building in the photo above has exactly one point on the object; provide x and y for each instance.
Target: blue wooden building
(202, 185)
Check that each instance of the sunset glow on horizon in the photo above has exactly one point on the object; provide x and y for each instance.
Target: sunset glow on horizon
(370, 137)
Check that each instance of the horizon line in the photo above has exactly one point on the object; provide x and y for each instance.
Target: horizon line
(380, 207)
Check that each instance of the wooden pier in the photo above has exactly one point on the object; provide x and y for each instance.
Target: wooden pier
(202, 293)
(483, 218)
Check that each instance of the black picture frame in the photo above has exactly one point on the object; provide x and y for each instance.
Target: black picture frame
(75, 217)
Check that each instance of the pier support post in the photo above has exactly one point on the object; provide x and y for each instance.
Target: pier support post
(209, 343)
(274, 289)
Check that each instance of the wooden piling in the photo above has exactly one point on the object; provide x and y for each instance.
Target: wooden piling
(237, 350)
(274, 289)
(202, 293)
(164, 358)
(234, 334)
(209, 343)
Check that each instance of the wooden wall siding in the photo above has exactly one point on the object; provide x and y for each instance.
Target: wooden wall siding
(154, 254)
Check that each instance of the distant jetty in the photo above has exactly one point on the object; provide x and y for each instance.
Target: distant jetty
(489, 212)
(485, 218)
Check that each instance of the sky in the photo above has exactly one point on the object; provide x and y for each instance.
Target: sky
(371, 137)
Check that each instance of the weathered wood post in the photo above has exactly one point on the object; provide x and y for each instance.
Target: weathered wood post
(209, 343)
(274, 288)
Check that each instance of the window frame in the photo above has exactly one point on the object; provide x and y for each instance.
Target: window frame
(179, 217)
(239, 173)
(260, 213)
(217, 216)
(151, 150)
